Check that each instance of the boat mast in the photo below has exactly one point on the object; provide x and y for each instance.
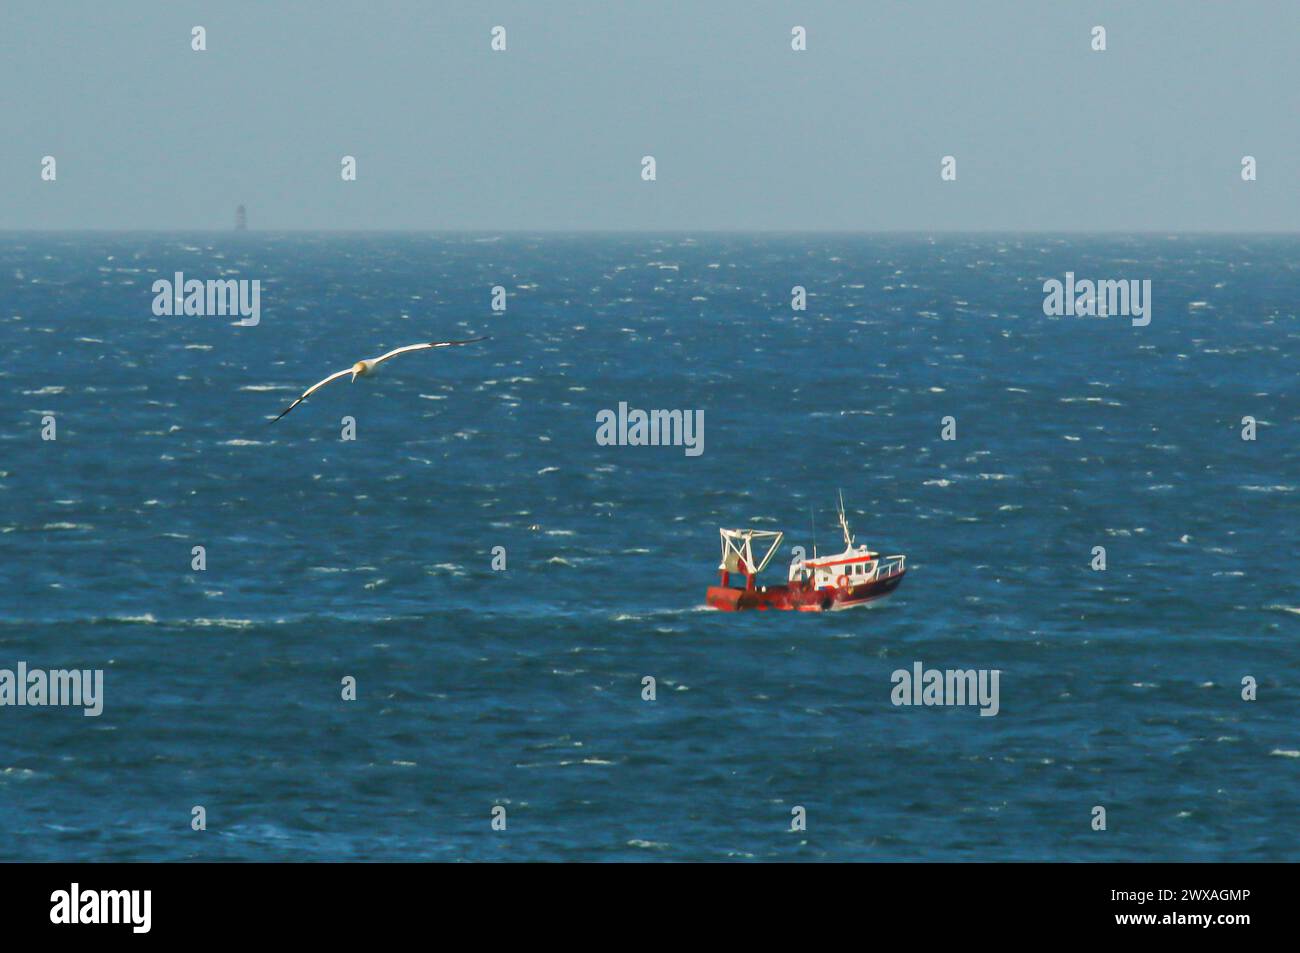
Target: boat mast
(812, 521)
(844, 524)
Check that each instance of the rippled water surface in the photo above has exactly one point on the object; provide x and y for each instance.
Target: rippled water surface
(372, 558)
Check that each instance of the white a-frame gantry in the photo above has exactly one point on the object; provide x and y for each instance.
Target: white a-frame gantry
(738, 552)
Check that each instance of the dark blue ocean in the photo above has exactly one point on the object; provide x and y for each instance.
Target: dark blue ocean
(522, 688)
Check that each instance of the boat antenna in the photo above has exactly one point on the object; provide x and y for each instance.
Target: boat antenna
(813, 523)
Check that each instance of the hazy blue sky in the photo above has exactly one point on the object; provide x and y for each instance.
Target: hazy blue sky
(747, 134)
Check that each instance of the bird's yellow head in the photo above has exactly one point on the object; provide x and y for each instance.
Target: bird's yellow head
(358, 369)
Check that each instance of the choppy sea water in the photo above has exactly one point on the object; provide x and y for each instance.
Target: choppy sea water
(523, 688)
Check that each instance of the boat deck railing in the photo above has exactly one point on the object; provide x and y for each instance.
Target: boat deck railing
(888, 566)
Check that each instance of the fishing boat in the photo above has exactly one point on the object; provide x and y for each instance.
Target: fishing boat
(851, 578)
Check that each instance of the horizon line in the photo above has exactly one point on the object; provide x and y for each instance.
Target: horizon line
(646, 231)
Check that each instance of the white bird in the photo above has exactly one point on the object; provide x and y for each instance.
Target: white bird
(367, 367)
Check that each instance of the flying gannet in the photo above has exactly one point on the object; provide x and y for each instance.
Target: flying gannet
(368, 366)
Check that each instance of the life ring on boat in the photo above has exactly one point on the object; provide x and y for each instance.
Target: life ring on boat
(842, 582)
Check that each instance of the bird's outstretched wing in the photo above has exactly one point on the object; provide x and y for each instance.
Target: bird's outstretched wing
(313, 388)
(425, 347)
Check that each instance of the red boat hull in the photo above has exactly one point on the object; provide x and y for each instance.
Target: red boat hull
(799, 598)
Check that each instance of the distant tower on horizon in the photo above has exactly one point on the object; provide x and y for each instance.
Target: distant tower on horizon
(241, 219)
